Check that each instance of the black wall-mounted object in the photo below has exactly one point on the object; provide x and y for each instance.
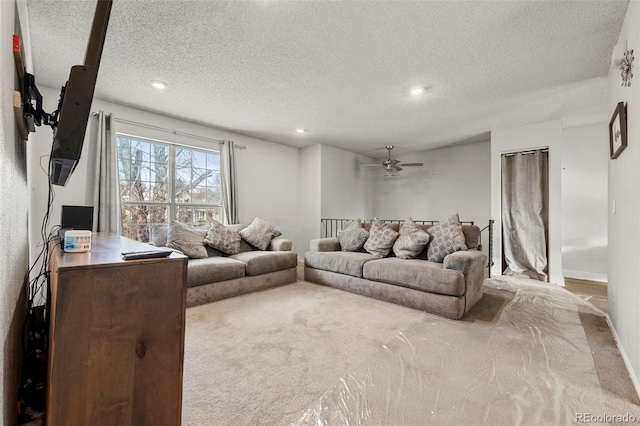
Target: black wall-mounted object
(74, 106)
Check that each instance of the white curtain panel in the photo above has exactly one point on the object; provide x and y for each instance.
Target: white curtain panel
(106, 190)
(525, 213)
(229, 182)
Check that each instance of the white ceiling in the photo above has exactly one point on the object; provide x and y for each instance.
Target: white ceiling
(343, 69)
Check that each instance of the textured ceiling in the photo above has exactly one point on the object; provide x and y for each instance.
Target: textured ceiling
(343, 69)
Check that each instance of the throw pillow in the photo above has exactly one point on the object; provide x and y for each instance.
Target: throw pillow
(446, 238)
(381, 239)
(258, 234)
(353, 236)
(274, 231)
(159, 235)
(187, 239)
(221, 238)
(411, 242)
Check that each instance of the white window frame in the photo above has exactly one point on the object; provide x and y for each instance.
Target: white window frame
(172, 204)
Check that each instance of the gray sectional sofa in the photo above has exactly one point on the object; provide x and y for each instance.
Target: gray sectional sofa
(448, 289)
(219, 275)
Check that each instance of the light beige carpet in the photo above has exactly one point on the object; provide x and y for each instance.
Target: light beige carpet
(527, 353)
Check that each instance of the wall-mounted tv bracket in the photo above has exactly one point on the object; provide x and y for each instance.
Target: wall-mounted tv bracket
(27, 102)
(33, 113)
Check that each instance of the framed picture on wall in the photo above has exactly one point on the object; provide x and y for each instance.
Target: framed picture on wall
(618, 131)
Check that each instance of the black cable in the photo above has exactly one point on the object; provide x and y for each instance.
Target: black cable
(36, 285)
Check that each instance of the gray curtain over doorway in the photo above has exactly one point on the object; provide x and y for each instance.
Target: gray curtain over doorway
(525, 213)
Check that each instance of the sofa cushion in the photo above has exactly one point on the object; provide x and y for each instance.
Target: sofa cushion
(263, 262)
(221, 238)
(187, 239)
(349, 263)
(411, 242)
(240, 226)
(353, 236)
(381, 239)
(276, 233)
(471, 236)
(213, 269)
(447, 238)
(416, 274)
(258, 233)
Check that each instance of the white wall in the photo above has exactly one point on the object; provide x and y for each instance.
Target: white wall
(584, 201)
(546, 134)
(453, 180)
(14, 205)
(624, 224)
(346, 190)
(267, 172)
(309, 196)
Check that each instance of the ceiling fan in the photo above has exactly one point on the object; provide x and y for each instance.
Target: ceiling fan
(391, 166)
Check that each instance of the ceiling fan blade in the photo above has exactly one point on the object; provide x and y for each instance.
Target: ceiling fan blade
(412, 164)
(396, 168)
(393, 162)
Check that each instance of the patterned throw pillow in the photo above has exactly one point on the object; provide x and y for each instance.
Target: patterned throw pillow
(223, 239)
(381, 239)
(353, 236)
(187, 239)
(447, 237)
(258, 234)
(411, 242)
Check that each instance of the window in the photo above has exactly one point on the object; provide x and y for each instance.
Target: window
(160, 182)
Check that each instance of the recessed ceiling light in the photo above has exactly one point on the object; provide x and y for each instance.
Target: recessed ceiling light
(158, 84)
(417, 90)
(300, 130)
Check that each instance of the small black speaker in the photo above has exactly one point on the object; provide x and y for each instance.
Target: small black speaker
(77, 218)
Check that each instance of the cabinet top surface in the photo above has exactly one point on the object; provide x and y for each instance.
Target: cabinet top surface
(106, 248)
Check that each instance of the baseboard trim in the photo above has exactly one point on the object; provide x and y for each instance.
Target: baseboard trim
(625, 358)
(589, 276)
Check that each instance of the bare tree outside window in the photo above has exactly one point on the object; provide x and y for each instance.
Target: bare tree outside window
(160, 182)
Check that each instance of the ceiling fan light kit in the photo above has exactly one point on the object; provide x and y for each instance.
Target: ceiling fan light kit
(391, 166)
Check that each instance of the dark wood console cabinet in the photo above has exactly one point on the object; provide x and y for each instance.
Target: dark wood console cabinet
(116, 336)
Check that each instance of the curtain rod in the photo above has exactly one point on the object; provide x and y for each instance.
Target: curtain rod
(528, 151)
(175, 132)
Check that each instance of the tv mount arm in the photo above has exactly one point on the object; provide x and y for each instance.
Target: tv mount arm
(33, 113)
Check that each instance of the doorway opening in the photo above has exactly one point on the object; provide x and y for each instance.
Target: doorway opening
(525, 214)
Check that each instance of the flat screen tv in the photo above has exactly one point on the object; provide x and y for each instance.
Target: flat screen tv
(74, 106)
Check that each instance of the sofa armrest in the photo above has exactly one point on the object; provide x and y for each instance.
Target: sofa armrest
(472, 264)
(466, 261)
(280, 244)
(325, 244)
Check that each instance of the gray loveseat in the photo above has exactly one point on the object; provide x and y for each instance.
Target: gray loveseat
(448, 289)
(219, 275)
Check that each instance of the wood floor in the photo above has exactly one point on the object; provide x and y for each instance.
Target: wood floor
(593, 291)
